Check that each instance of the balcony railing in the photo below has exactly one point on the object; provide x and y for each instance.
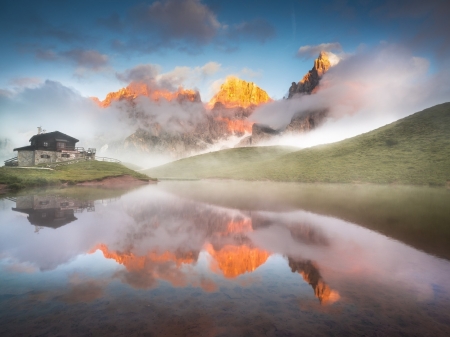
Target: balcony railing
(90, 151)
(12, 162)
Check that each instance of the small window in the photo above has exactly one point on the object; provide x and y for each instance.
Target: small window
(65, 155)
(45, 144)
(45, 156)
(64, 204)
(43, 203)
(61, 145)
(44, 215)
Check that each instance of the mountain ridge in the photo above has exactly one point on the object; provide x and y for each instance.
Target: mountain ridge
(413, 150)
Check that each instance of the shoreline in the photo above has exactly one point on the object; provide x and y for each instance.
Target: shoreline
(113, 181)
(124, 180)
(128, 180)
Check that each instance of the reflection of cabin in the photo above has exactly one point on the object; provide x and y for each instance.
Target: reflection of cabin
(51, 211)
(51, 147)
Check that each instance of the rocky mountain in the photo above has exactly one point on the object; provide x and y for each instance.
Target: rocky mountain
(194, 127)
(198, 127)
(306, 121)
(301, 121)
(239, 93)
(310, 81)
(235, 102)
(136, 89)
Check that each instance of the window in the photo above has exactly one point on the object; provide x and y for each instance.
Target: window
(45, 156)
(45, 144)
(65, 155)
(61, 145)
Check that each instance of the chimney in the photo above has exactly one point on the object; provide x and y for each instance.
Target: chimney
(39, 130)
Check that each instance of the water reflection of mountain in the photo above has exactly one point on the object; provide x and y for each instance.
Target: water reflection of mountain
(311, 274)
(50, 210)
(224, 234)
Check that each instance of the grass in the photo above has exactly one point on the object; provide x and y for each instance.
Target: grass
(414, 151)
(17, 178)
(218, 164)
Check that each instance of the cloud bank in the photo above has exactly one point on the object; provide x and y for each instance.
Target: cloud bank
(188, 77)
(364, 91)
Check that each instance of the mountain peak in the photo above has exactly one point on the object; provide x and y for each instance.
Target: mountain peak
(136, 89)
(309, 82)
(235, 92)
(322, 63)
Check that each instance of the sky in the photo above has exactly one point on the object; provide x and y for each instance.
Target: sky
(55, 54)
(88, 45)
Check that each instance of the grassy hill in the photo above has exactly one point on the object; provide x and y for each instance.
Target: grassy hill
(16, 178)
(412, 150)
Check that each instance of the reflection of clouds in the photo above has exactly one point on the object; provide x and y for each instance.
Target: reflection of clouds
(21, 268)
(158, 237)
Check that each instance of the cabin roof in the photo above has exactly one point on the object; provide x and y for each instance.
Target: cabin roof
(54, 134)
(24, 148)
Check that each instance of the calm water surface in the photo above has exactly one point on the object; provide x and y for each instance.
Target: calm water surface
(226, 259)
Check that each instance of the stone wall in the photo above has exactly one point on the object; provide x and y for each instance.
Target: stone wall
(25, 158)
(39, 160)
(31, 158)
(56, 157)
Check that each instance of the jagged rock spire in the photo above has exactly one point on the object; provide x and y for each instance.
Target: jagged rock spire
(310, 81)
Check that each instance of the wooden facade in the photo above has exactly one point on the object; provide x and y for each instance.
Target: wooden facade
(52, 141)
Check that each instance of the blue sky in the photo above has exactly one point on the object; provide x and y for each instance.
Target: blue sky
(86, 45)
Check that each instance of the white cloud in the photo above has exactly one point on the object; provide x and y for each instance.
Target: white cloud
(313, 51)
(247, 72)
(364, 91)
(181, 76)
(210, 68)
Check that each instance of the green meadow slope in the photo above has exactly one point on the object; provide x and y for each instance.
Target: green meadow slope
(413, 150)
(16, 178)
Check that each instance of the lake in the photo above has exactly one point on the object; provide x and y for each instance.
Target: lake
(226, 258)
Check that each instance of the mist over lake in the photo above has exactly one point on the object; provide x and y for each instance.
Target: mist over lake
(222, 258)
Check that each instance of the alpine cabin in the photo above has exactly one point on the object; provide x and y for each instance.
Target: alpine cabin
(50, 147)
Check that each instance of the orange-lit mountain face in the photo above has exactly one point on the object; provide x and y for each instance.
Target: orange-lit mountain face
(187, 129)
(310, 81)
(239, 93)
(235, 102)
(136, 89)
(235, 125)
